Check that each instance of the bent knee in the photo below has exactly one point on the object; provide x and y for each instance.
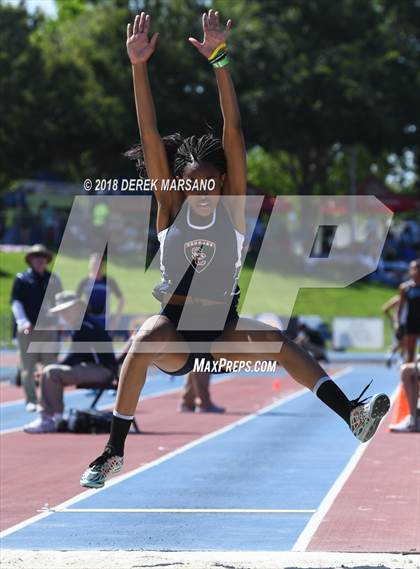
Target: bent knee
(275, 336)
(145, 344)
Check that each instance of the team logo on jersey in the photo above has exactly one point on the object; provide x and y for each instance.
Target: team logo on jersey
(200, 253)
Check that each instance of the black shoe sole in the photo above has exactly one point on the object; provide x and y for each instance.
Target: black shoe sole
(381, 406)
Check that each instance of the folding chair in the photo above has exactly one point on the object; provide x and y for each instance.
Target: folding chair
(111, 385)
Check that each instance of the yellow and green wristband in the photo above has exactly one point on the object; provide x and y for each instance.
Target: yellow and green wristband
(218, 57)
(222, 62)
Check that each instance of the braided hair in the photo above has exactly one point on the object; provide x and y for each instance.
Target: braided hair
(171, 143)
(206, 148)
(182, 151)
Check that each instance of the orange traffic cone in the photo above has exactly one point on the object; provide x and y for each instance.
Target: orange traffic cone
(401, 406)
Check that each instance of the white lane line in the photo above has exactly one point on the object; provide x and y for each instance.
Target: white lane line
(309, 531)
(19, 402)
(105, 406)
(111, 403)
(220, 379)
(181, 450)
(161, 376)
(179, 511)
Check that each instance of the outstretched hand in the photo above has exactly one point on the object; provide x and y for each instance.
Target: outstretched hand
(213, 35)
(139, 47)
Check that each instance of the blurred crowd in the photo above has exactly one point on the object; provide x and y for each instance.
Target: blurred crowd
(21, 225)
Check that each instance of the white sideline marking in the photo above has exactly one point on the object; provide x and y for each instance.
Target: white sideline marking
(18, 402)
(177, 511)
(154, 377)
(309, 531)
(215, 381)
(181, 450)
(102, 407)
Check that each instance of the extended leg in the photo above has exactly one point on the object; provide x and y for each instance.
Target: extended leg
(363, 418)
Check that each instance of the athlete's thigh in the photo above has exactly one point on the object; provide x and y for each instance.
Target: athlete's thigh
(247, 339)
(158, 335)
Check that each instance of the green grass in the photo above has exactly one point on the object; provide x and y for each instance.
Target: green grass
(267, 293)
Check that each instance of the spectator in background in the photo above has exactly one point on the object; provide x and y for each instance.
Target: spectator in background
(94, 289)
(96, 366)
(49, 223)
(410, 302)
(196, 395)
(391, 310)
(407, 251)
(10, 236)
(390, 250)
(407, 236)
(28, 296)
(312, 341)
(410, 379)
(100, 216)
(24, 222)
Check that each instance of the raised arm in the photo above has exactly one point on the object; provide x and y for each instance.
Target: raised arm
(139, 49)
(214, 48)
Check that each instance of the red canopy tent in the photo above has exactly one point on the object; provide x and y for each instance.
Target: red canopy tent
(372, 186)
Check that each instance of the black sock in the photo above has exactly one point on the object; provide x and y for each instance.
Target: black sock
(331, 395)
(119, 432)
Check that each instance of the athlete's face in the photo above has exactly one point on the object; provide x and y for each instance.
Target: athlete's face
(204, 201)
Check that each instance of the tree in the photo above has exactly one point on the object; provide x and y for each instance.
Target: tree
(315, 78)
(20, 80)
(319, 77)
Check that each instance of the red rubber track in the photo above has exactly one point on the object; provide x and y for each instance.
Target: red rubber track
(10, 393)
(378, 508)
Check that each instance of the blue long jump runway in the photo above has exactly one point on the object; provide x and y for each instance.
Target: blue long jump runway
(286, 458)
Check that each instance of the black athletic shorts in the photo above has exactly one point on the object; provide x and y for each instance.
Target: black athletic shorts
(412, 326)
(173, 312)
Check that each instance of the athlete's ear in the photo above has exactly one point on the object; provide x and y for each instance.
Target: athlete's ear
(222, 178)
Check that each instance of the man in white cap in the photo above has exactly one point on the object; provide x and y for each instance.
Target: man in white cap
(28, 297)
(90, 361)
